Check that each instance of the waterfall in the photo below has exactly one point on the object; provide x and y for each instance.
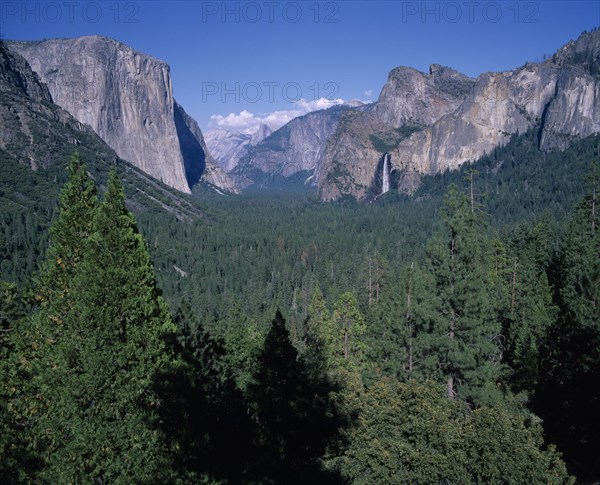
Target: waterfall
(386, 174)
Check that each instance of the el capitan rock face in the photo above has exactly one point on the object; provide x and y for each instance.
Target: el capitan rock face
(127, 99)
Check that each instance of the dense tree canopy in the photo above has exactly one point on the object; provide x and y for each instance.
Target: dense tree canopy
(414, 348)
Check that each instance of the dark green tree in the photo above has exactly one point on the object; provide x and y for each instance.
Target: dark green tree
(569, 396)
(69, 233)
(319, 334)
(460, 259)
(402, 327)
(294, 412)
(528, 309)
(42, 343)
(15, 458)
(502, 446)
(103, 340)
(406, 433)
(349, 327)
(203, 413)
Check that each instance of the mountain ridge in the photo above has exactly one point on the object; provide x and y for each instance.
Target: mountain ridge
(561, 95)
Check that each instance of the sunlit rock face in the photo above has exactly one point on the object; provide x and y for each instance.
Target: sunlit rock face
(127, 98)
(460, 119)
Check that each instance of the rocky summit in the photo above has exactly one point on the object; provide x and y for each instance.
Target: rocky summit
(431, 122)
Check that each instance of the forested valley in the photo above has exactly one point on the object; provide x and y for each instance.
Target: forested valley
(450, 336)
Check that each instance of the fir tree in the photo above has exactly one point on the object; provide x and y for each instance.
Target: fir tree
(69, 233)
(528, 308)
(203, 413)
(44, 354)
(349, 324)
(122, 324)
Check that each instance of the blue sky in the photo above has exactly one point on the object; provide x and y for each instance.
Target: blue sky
(280, 57)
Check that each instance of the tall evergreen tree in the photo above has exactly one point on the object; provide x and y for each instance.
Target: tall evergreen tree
(203, 413)
(294, 411)
(402, 327)
(103, 329)
(349, 324)
(43, 350)
(122, 324)
(319, 335)
(460, 260)
(528, 309)
(69, 233)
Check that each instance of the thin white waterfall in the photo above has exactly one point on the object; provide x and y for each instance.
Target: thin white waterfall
(386, 174)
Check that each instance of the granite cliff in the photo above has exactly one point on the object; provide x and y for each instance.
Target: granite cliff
(445, 119)
(37, 138)
(127, 98)
(295, 148)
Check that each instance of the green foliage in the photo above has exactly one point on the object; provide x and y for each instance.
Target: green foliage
(203, 414)
(88, 357)
(295, 413)
(15, 458)
(460, 259)
(319, 334)
(412, 433)
(349, 328)
(528, 310)
(402, 327)
(407, 433)
(501, 447)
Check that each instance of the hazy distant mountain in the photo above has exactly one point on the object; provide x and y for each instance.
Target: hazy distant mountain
(228, 146)
(295, 148)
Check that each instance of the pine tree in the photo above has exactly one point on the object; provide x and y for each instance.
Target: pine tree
(42, 346)
(460, 260)
(104, 342)
(295, 414)
(122, 324)
(319, 336)
(203, 413)
(528, 308)
(349, 324)
(68, 234)
(402, 328)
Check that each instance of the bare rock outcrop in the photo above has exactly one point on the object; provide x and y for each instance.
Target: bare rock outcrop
(127, 98)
